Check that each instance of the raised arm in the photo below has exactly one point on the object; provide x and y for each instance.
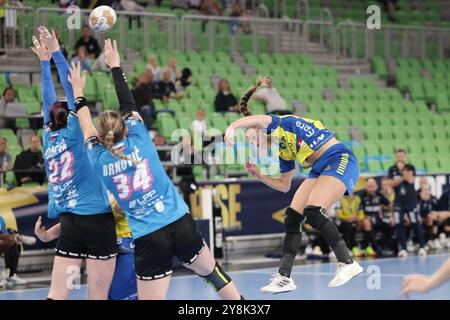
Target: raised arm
(127, 104)
(51, 42)
(78, 81)
(47, 87)
(259, 121)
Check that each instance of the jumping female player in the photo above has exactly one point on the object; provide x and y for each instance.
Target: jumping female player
(334, 172)
(76, 194)
(125, 158)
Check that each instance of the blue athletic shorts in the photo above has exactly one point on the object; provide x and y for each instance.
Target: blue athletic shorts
(338, 161)
(124, 285)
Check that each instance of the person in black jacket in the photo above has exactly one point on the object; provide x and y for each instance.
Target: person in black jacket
(166, 88)
(225, 100)
(89, 42)
(32, 160)
(144, 92)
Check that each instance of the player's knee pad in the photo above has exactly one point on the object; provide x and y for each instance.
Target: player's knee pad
(293, 221)
(218, 278)
(316, 217)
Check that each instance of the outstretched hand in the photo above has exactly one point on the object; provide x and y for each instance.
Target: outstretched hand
(112, 58)
(50, 40)
(77, 79)
(41, 50)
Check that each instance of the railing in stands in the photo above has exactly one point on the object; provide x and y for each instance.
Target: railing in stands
(263, 35)
(16, 28)
(356, 41)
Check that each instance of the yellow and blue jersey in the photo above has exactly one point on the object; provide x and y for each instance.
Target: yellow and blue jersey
(348, 207)
(298, 138)
(122, 228)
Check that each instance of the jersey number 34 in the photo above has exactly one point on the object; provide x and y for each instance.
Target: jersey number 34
(142, 180)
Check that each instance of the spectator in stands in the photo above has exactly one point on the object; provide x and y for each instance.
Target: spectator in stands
(175, 73)
(154, 67)
(33, 160)
(211, 8)
(444, 214)
(371, 204)
(11, 246)
(423, 184)
(5, 158)
(428, 205)
(185, 79)
(144, 93)
(401, 178)
(236, 12)
(199, 125)
(89, 42)
(83, 58)
(349, 216)
(8, 96)
(166, 87)
(225, 100)
(272, 99)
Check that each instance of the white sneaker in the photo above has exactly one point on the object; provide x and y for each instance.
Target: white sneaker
(410, 246)
(402, 254)
(422, 252)
(308, 250)
(279, 284)
(437, 244)
(317, 251)
(345, 272)
(27, 240)
(442, 239)
(15, 280)
(431, 244)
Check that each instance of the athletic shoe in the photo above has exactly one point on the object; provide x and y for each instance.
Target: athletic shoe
(403, 254)
(437, 244)
(15, 280)
(27, 240)
(431, 244)
(369, 252)
(345, 272)
(442, 239)
(308, 250)
(279, 284)
(356, 252)
(317, 251)
(422, 252)
(410, 246)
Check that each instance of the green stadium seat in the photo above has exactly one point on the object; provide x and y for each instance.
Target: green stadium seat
(372, 149)
(167, 127)
(375, 166)
(432, 165)
(427, 134)
(442, 102)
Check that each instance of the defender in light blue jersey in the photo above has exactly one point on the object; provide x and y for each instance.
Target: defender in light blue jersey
(125, 158)
(76, 195)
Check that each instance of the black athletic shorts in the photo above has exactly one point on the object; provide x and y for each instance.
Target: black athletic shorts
(87, 236)
(154, 252)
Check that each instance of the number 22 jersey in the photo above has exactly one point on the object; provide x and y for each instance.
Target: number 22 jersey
(143, 189)
(72, 185)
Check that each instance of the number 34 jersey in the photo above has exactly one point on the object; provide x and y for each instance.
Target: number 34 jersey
(72, 185)
(141, 187)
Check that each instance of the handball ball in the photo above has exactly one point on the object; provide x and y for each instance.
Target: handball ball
(102, 19)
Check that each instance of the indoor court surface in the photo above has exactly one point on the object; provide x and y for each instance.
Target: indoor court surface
(311, 281)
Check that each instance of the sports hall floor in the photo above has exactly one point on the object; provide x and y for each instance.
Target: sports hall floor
(311, 280)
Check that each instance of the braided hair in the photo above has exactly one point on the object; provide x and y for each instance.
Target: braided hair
(243, 106)
(111, 130)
